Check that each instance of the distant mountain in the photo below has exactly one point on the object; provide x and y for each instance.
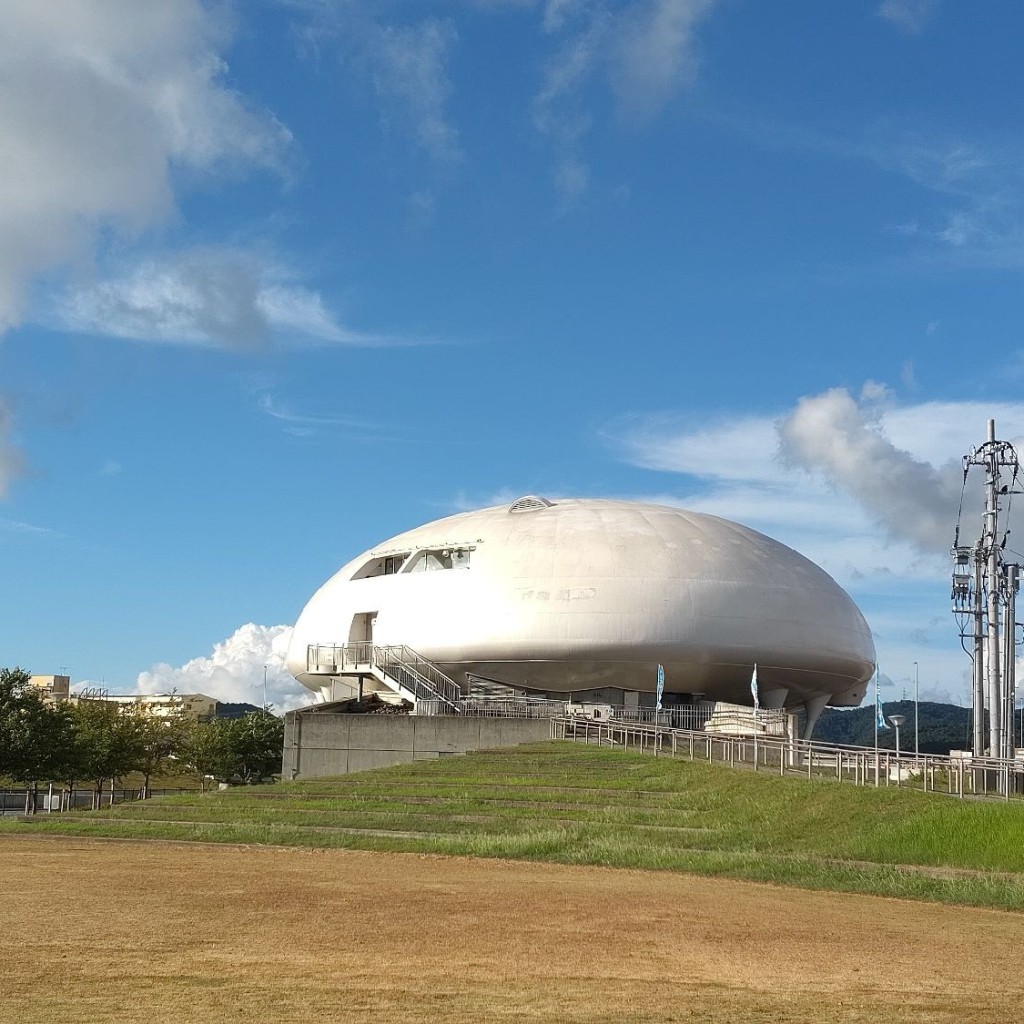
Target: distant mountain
(943, 727)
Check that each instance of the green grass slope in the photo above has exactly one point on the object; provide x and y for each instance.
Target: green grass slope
(577, 804)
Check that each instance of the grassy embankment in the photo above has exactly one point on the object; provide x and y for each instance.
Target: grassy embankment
(584, 805)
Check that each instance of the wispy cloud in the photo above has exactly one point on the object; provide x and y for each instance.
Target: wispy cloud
(968, 211)
(654, 56)
(222, 297)
(411, 78)
(640, 52)
(644, 52)
(12, 461)
(405, 58)
(559, 111)
(910, 16)
(306, 424)
(15, 527)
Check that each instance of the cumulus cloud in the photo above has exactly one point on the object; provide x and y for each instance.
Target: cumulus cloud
(217, 296)
(105, 105)
(234, 671)
(842, 439)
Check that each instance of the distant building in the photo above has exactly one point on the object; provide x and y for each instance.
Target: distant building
(52, 687)
(194, 707)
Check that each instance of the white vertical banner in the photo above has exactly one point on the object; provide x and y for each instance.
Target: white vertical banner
(753, 690)
(661, 685)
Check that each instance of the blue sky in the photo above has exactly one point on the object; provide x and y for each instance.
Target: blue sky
(280, 279)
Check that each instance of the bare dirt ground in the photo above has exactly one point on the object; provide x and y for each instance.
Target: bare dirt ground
(95, 931)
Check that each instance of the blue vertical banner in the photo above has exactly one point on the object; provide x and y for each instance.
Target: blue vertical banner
(753, 690)
(880, 722)
(661, 684)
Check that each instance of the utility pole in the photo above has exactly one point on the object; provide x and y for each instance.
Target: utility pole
(984, 601)
(917, 705)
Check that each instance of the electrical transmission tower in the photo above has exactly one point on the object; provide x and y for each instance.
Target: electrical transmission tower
(984, 599)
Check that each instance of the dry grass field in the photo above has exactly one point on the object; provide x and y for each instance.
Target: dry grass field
(175, 933)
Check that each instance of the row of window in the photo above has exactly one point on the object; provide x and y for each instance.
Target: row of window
(430, 560)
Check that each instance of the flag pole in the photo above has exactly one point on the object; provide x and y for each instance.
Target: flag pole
(757, 708)
(878, 718)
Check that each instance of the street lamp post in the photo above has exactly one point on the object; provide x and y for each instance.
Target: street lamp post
(917, 704)
(897, 721)
(264, 687)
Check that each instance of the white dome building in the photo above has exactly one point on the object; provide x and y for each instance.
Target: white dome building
(583, 594)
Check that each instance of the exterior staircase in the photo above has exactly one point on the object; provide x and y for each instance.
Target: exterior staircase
(397, 668)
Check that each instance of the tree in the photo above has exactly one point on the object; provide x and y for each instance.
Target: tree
(205, 750)
(245, 750)
(110, 742)
(158, 739)
(256, 745)
(34, 736)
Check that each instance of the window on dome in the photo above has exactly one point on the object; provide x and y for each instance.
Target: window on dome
(440, 558)
(382, 565)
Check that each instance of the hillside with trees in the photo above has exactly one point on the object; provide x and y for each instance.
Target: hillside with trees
(943, 727)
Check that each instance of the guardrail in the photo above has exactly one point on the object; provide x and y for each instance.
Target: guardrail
(865, 766)
(429, 682)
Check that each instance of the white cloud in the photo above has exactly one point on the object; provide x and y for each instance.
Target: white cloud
(211, 296)
(909, 16)
(234, 671)
(105, 106)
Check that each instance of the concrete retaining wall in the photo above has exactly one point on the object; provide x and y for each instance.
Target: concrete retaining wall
(319, 743)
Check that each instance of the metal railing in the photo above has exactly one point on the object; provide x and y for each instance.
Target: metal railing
(400, 664)
(497, 707)
(338, 658)
(865, 766)
(56, 799)
(420, 677)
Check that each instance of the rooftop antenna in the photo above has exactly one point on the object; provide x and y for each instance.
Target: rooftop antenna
(984, 600)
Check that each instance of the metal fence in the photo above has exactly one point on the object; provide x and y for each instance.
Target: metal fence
(55, 799)
(864, 766)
